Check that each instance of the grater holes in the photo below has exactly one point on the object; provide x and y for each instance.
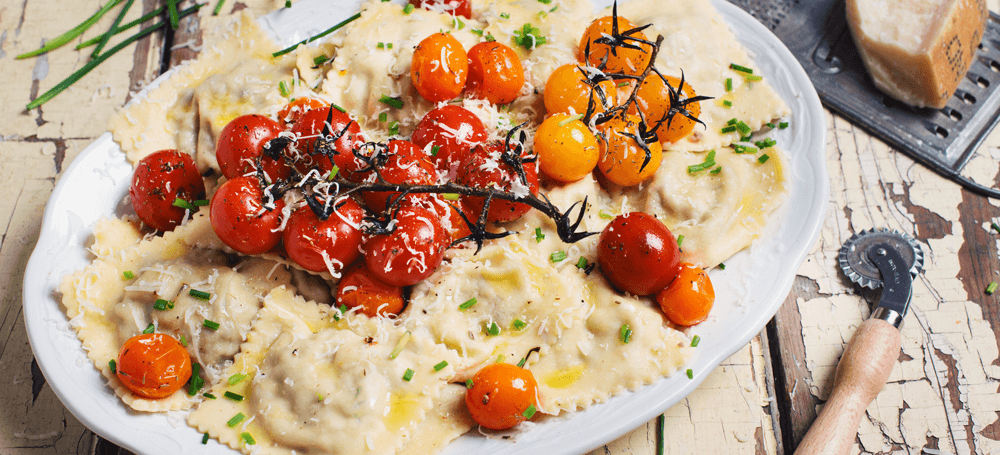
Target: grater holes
(982, 82)
(940, 131)
(967, 98)
(954, 115)
(995, 66)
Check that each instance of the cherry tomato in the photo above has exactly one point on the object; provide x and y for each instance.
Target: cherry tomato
(242, 141)
(500, 395)
(620, 60)
(158, 181)
(439, 67)
(495, 73)
(567, 91)
(689, 298)
(406, 164)
(452, 131)
(412, 252)
(456, 7)
(240, 220)
(153, 365)
(666, 112)
(484, 168)
(311, 242)
(359, 287)
(310, 125)
(638, 254)
(293, 110)
(567, 149)
(623, 159)
(457, 227)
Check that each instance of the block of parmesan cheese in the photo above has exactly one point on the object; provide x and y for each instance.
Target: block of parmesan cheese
(917, 51)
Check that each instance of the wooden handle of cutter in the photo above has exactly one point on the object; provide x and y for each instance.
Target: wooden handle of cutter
(861, 374)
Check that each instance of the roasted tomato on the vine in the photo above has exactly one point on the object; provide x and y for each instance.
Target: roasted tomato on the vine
(629, 52)
(412, 251)
(242, 141)
(624, 160)
(293, 110)
(486, 167)
(456, 7)
(313, 243)
(406, 164)
(343, 132)
(495, 72)
(568, 90)
(668, 107)
(153, 365)
(448, 133)
(638, 254)
(359, 287)
(240, 219)
(439, 68)
(159, 180)
(689, 298)
(502, 395)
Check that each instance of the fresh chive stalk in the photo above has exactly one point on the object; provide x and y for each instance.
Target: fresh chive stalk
(172, 12)
(199, 294)
(440, 365)
(991, 288)
(111, 31)
(400, 345)
(695, 340)
(218, 7)
(233, 396)
(72, 33)
(468, 304)
(314, 38)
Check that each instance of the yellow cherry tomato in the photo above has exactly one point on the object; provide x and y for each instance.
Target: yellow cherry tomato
(665, 103)
(624, 161)
(567, 90)
(567, 150)
(620, 58)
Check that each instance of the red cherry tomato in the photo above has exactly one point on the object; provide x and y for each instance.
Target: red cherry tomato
(450, 130)
(689, 298)
(495, 72)
(311, 242)
(638, 254)
(240, 220)
(359, 287)
(412, 252)
(500, 395)
(158, 181)
(293, 110)
(456, 7)
(439, 67)
(242, 141)
(458, 228)
(406, 164)
(153, 365)
(484, 168)
(310, 125)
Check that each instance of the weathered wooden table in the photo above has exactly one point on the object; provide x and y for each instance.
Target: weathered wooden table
(942, 396)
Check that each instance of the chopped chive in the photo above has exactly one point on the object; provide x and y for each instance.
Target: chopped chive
(746, 138)
(113, 366)
(519, 324)
(740, 68)
(383, 117)
(727, 103)
(991, 288)
(557, 256)
(204, 438)
(732, 121)
(708, 163)
(394, 128)
(505, 15)
(582, 263)
(184, 341)
(477, 31)
(162, 305)
(248, 438)
(128, 275)
(450, 196)
(530, 412)
(195, 382)
(743, 128)
(440, 366)
(722, 266)
(753, 78)
(233, 396)
(469, 383)
(321, 59)
(157, 12)
(996, 227)
(380, 45)
(319, 396)
(200, 202)
(729, 84)
(209, 396)
(695, 340)
(389, 45)
(149, 329)
(543, 14)
(605, 215)
(324, 33)
(690, 373)
(199, 294)
(408, 375)
(521, 363)
(769, 125)
(236, 378)
(728, 129)
(742, 149)
(782, 125)
(529, 37)
(211, 324)
(680, 239)
(72, 33)
(554, 8)
(288, 3)
(218, 7)
(408, 8)
(283, 89)
(236, 419)
(400, 345)
(625, 333)
(178, 202)
(435, 149)
(468, 304)
(490, 38)
(493, 329)
(715, 171)
(545, 1)
(623, 84)
(763, 159)
(342, 308)
(172, 13)
(539, 236)
(337, 107)
(570, 119)
(333, 173)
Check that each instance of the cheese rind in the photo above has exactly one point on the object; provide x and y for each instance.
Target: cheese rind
(918, 51)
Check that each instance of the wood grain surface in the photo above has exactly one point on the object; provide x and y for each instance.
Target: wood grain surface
(941, 397)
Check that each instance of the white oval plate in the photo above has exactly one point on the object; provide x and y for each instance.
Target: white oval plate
(749, 291)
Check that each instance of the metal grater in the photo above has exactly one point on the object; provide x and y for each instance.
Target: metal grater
(944, 140)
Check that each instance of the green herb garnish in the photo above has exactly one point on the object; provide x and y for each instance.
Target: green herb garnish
(695, 340)
(408, 8)
(440, 366)
(519, 324)
(248, 438)
(991, 288)
(530, 412)
(400, 345)
(211, 324)
(128, 275)
(557, 256)
(740, 68)
(582, 263)
(199, 294)
(149, 329)
(690, 373)
(236, 378)
(408, 375)
(529, 37)
(729, 84)
(113, 366)
(708, 163)
(236, 419)
(539, 236)
(178, 202)
(625, 333)
(468, 304)
(493, 329)
(233, 396)
(763, 159)
(391, 102)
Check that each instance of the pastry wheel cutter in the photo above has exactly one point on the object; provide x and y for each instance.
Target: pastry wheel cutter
(876, 258)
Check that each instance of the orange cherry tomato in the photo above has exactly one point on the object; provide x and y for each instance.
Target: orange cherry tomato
(153, 365)
(292, 111)
(495, 72)
(359, 287)
(620, 59)
(623, 159)
(567, 149)
(665, 103)
(439, 67)
(689, 298)
(500, 395)
(567, 89)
